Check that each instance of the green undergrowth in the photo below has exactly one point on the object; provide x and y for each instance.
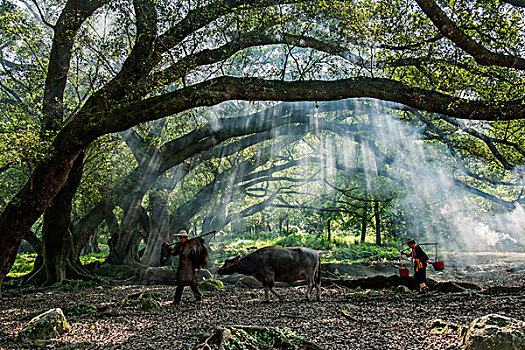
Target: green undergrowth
(80, 309)
(24, 261)
(339, 249)
(276, 338)
(23, 264)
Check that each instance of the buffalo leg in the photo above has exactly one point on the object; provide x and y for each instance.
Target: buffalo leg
(318, 288)
(275, 292)
(266, 296)
(310, 284)
(268, 286)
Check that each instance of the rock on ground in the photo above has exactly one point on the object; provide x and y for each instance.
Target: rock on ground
(50, 324)
(495, 332)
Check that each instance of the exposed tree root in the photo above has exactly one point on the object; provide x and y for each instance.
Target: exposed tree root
(44, 276)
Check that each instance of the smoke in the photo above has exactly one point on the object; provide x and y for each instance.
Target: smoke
(435, 205)
(491, 232)
(438, 208)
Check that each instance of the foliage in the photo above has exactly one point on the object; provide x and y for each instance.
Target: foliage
(211, 284)
(74, 309)
(337, 250)
(277, 338)
(363, 252)
(94, 257)
(310, 241)
(24, 261)
(23, 264)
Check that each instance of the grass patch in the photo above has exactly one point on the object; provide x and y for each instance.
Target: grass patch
(25, 261)
(339, 249)
(23, 264)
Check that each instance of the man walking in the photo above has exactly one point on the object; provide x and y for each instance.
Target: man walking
(193, 255)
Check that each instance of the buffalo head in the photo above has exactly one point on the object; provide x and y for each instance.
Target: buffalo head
(229, 267)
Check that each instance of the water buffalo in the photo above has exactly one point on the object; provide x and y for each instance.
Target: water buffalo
(274, 264)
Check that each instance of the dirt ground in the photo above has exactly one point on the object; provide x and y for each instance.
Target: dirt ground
(344, 319)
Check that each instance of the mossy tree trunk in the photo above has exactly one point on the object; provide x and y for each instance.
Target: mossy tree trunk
(159, 231)
(60, 257)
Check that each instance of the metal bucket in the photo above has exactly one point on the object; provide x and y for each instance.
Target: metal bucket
(403, 271)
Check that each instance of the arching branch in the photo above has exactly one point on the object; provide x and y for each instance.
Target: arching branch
(449, 29)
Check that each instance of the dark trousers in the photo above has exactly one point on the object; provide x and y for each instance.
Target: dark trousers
(420, 275)
(180, 288)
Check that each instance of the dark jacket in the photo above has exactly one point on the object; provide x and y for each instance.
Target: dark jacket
(192, 255)
(420, 258)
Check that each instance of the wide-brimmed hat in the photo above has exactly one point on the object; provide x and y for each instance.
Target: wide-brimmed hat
(182, 233)
(411, 241)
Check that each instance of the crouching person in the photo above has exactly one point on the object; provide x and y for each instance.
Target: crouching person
(193, 255)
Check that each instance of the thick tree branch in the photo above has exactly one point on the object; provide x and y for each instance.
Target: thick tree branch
(230, 88)
(74, 14)
(449, 29)
(211, 56)
(517, 3)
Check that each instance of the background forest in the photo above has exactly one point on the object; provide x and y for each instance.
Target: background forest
(321, 123)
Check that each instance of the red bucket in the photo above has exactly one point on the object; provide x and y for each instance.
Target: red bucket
(403, 271)
(438, 265)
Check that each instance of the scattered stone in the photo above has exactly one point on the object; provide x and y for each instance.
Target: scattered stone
(470, 268)
(402, 289)
(147, 302)
(203, 275)
(439, 326)
(495, 332)
(250, 282)
(230, 280)
(157, 275)
(517, 268)
(51, 324)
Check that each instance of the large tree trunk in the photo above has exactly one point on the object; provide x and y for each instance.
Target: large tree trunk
(91, 247)
(85, 228)
(58, 248)
(159, 231)
(123, 253)
(126, 250)
(113, 227)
